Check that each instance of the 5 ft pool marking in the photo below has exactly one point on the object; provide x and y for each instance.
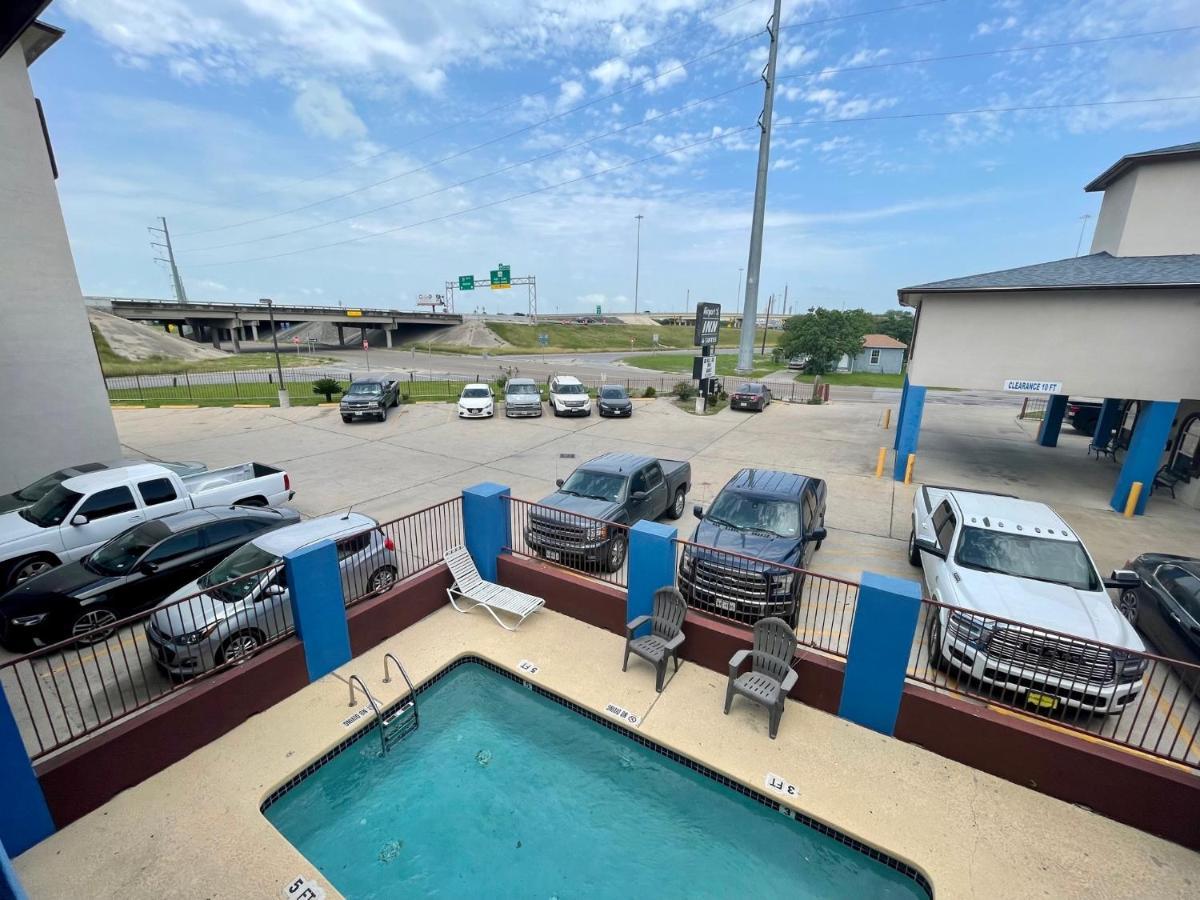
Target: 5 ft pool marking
(529, 668)
(623, 714)
(303, 889)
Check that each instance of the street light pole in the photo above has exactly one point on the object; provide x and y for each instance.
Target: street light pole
(637, 266)
(284, 400)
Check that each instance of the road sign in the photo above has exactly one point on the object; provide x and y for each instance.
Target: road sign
(543, 339)
(704, 367)
(466, 282)
(501, 277)
(708, 324)
(1033, 387)
(354, 313)
(366, 346)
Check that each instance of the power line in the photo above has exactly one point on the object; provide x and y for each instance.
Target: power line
(575, 146)
(859, 15)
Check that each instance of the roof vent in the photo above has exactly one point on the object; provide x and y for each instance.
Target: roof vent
(973, 519)
(1038, 530)
(1019, 528)
(986, 523)
(999, 524)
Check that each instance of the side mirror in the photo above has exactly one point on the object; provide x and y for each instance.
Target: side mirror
(1123, 579)
(931, 547)
(698, 511)
(79, 519)
(150, 568)
(558, 482)
(818, 534)
(639, 495)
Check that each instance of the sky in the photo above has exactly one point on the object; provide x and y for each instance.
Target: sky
(365, 152)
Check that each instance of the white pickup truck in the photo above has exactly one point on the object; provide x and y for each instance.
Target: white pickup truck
(80, 513)
(996, 561)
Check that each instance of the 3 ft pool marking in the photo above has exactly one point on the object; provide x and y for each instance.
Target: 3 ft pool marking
(781, 786)
(303, 889)
(623, 714)
(356, 717)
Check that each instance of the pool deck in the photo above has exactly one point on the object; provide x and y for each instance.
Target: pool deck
(195, 829)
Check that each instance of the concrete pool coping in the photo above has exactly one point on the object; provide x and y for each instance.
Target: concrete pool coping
(197, 826)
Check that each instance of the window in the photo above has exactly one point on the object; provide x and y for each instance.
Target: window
(761, 514)
(108, 503)
(597, 485)
(184, 542)
(159, 490)
(943, 525)
(639, 482)
(1184, 588)
(120, 554)
(874, 357)
(231, 529)
(654, 477)
(347, 547)
(1026, 556)
(810, 512)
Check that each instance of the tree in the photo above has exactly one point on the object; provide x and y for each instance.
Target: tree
(823, 336)
(895, 323)
(328, 387)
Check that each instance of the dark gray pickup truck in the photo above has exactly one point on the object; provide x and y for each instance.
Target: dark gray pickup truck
(616, 487)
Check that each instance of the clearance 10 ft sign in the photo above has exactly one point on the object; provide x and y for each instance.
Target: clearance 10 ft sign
(708, 324)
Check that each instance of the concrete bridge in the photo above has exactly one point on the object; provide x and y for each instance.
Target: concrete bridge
(215, 321)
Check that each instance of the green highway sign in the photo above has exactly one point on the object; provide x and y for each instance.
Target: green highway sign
(501, 277)
(466, 282)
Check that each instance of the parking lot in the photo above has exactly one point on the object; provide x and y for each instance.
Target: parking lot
(423, 454)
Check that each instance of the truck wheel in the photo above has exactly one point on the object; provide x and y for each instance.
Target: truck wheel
(914, 555)
(615, 558)
(934, 643)
(346, 419)
(383, 414)
(677, 506)
(24, 569)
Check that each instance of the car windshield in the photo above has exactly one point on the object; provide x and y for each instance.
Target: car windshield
(234, 569)
(1026, 556)
(613, 393)
(120, 554)
(366, 387)
(52, 508)
(33, 492)
(521, 389)
(569, 389)
(748, 513)
(475, 392)
(597, 485)
(749, 389)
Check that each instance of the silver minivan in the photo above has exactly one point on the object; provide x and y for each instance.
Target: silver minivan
(231, 612)
(522, 398)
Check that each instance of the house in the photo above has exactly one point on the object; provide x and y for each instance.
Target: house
(880, 353)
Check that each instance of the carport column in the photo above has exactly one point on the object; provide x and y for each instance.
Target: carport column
(908, 427)
(900, 414)
(314, 582)
(486, 525)
(651, 566)
(1110, 412)
(885, 622)
(1056, 408)
(1146, 448)
(24, 816)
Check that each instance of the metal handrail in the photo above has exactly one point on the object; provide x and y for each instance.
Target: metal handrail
(387, 679)
(374, 706)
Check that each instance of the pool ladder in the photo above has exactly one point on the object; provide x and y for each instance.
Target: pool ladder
(404, 720)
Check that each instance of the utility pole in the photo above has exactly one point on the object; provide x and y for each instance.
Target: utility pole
(767, 324)
(738, 302)
(284, 399)
(637, 266)
(165, 244)
(745, 361)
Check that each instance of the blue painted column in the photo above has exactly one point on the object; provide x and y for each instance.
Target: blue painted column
(1146, 447)
(651, 566)
(10, 885)
(900, 413)
(1110, 413)
(314, 581)
(885, 622)
(908, 429)
(1056, 408)
(486, 525)
(24, 816)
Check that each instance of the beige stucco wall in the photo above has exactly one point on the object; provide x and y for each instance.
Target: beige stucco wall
(1153, 210)
(1130, 344)
(53, 408)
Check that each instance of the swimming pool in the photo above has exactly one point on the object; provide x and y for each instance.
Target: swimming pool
(505, 792)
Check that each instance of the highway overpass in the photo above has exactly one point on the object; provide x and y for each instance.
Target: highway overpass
(215, 321)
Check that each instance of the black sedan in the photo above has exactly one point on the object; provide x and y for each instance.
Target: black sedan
(751, 396)
(133, 571)
(614, 401)
(1166, 607)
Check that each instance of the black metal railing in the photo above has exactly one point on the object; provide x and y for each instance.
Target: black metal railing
(1033, 408)
(595, 547)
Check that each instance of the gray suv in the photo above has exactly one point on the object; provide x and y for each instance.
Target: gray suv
(229, 613)
(522, 398)
(370, 396)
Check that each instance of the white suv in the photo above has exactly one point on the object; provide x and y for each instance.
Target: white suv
(568, 396)
(996, 561)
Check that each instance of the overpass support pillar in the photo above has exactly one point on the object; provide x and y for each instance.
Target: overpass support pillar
(341, 336)
(362, 331)
(235, 332)
(215, 331)
(387, 333)
(1056, 408)
(1146, 447)
(254, 331)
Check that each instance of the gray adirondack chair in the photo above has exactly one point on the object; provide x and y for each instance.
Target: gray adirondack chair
(665, 637)
(771, 675)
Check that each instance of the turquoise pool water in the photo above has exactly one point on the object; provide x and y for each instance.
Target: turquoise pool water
(502, 792)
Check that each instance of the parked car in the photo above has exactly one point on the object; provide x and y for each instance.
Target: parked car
(1083, 415)
(79, 514)
(615, 487)
(129, 573)
(778, 519)
(614, 401)
(476, 402)
(370, 396)
(32, 493)
(751, 395)
(1165, 607)
(568, 396)
(991, 555)
(522, 398)
(228, 613)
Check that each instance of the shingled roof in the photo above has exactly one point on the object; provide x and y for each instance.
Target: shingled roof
(1130, 160)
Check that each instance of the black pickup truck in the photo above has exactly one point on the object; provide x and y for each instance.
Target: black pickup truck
(774, 517)
(570, 526)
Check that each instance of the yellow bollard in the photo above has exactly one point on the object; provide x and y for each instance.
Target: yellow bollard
(879, 463)
(1135, 491)
(912, 459)
(887, 418)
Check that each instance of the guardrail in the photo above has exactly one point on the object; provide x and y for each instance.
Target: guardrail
(1033, 408)
(595, 547)
(1133, 699)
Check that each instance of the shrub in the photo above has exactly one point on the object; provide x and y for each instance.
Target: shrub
(649, 392)
(404, 396)
(723, 396)
(684, 390)
(328, 387)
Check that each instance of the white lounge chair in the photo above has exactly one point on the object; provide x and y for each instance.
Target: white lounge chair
(470, 586)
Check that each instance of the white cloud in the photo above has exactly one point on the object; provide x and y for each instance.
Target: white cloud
(323, 111)
(569, 94)
(669, 72)
(612, 72)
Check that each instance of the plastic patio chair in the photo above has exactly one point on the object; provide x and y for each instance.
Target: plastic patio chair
(771, 675)
(665, 637)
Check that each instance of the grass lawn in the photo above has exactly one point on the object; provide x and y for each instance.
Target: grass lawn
(523, 337)
(682, 362)
(112, 364)
(861, 379)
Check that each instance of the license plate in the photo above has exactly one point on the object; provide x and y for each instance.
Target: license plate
(553, 555)
(727, 605)
(1041, 701)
